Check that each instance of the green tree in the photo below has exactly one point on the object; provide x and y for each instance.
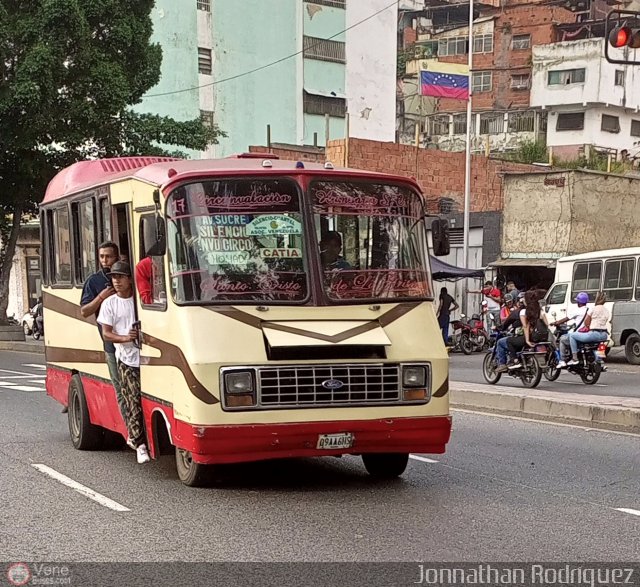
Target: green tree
(70, 71)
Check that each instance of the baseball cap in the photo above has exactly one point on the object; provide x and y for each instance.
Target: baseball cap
(521, 295)
(120, 268)
(582, 297)
(508, 297)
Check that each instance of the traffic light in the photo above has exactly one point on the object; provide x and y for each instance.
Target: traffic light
(622, 32)
(624, 36)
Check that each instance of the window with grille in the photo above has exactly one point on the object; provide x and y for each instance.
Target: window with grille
(521, 42)
(204, 61)
(316, 104)
(618, 279)
(570, 121)
(324, 49)
(491, 123)
(206, 116)
(482, 81)
(520, 81)
(453, 46)
(483, 44)
(610, 123)
(635, 128)
(334, 3)
(439, 125)
(564, 77)
(459, 124)
(204, 5)
(521, 121)
(586, 277)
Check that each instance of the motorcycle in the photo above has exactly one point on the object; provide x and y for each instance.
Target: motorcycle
(532, 363)
(469, 335)
(590, 357)
(38, 324)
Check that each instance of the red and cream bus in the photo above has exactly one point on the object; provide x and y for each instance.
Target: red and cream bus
(292, 311)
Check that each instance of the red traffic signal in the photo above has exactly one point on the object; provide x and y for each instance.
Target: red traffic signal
(624, 36)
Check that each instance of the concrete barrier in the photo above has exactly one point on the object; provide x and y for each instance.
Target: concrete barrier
(22, 347)
(592, 411)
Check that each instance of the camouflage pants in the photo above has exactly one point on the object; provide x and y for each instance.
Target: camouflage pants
(130, 393)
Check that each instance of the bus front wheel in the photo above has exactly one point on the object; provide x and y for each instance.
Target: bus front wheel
(385, 465)
(84, 434)
(191, 473)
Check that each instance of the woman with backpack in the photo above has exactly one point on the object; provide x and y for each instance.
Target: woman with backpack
(535, 327)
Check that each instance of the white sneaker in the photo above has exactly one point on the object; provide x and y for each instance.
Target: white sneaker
(573, 362)
(561, 365)
(142, 455)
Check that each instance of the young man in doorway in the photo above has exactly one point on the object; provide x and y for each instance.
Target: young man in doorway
(97, 288)
(118, 319)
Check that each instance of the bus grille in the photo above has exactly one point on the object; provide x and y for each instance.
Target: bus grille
(324, 385)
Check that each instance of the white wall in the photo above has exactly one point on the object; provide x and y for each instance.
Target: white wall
(599, 85)
(371, 70)
(592, 133)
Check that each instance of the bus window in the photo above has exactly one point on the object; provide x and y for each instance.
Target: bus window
(587, 277)
(379, 253)
(236, 240)
(84, 240)
(104, 211)
(62, 247)
(618, 279)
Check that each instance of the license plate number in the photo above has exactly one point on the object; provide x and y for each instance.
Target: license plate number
(335, 441)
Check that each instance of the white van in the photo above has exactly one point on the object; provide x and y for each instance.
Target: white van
(614, 271)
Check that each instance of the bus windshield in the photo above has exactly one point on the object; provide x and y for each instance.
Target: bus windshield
(372, 240)
(236, 240)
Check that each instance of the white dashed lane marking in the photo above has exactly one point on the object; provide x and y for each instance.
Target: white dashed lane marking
(22, 380)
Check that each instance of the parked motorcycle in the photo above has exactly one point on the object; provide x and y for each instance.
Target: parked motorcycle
(469, 335)
(590, 356)
(532, 363)
(38, 322)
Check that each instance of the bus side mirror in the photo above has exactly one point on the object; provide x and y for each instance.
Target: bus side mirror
(154, 241)
(440, 237)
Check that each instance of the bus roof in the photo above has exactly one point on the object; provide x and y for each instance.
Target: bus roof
(160, 171)
(605, 254)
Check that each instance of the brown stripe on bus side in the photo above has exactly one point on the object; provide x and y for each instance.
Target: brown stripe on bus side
(443, 389)
(171, 355)
(64, 355)
(65, 308)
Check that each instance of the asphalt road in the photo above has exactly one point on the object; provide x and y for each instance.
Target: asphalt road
(506, 490)
(620, 379)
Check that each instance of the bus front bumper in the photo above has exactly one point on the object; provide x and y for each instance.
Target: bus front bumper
(256, 442)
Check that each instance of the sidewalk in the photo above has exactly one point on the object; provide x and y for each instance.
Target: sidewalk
(29, 346)
(592, 411)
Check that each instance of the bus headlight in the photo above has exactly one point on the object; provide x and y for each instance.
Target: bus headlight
(414, 376)
(239, 382)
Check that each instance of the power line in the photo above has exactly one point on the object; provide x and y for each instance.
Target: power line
(251, 71)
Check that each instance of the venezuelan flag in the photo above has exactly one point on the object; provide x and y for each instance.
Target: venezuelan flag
(445, 80)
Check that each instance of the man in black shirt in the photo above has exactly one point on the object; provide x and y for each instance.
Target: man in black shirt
(447, 305)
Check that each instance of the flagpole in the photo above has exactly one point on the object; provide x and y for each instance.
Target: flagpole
(467, 168)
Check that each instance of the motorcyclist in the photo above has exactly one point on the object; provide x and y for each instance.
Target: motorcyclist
(38, 316)
(577, 316)
(511, 323)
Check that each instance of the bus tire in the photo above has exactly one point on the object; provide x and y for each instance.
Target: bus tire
(385, 465)
(84, 435)
(192, 474)
(632, 349)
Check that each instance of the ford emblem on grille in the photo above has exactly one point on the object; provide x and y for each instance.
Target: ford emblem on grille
(332, 384)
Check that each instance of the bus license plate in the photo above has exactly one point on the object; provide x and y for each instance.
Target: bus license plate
(335, 441)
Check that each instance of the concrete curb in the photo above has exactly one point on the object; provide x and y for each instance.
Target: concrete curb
(592, 411)
(22, 347)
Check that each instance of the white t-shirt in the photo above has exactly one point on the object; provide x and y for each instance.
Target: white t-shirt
(119, 313)
(578, 315)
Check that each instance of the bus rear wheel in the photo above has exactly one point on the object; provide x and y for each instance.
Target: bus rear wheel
(385, 465)
(191, 473)
(84, 434)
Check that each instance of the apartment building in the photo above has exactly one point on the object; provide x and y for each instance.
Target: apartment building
(295, 67)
